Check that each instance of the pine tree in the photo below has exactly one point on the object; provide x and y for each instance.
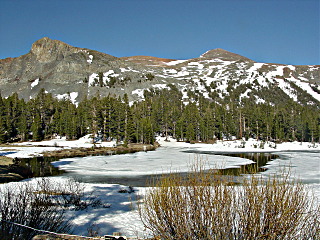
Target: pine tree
(3, 136)
(23, 121)
(36, 128)
(101, 83)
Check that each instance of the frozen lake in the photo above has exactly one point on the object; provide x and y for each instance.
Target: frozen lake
(303, 165)
(128, 169)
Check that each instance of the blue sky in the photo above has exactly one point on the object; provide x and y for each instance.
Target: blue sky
(276, 31)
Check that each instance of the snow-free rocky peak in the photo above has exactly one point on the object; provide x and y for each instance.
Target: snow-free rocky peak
(219, 75)
(48, 50)
(222, 54)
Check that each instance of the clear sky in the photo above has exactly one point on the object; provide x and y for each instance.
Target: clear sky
(275, 31)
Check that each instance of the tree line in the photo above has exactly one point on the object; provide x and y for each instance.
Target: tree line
(163, 112)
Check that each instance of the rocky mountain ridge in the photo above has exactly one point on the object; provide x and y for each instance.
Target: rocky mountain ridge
(76, 73)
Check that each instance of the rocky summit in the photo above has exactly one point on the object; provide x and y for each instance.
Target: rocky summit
(76, 73)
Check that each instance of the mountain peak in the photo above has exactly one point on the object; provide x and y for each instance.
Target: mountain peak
(223, 55)
(47, 43)
(47, 49)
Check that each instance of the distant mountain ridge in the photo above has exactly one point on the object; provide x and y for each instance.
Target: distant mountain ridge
(219, 75)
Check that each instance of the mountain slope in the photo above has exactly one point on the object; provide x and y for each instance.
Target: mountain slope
(217, 74)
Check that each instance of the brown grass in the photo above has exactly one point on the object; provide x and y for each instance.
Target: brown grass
(82, 152)
(5, 160)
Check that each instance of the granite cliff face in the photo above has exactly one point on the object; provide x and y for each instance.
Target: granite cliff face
(67, 71)
(52, 64)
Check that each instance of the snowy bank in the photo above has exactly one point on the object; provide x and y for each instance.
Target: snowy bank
(117, 211)
(121, 215)
(241, 146)
(30, 149)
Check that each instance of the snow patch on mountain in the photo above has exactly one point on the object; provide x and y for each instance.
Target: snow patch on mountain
(35, 83)
(90, 59)
(139, 92)
(306, 87)
(172, 63)
(92, 78)
(160, 86)
(184, 72)
(71, 96)
(170, 71)
(197, 64)
(203, 55)
(255, 67)
(129, 69)
(245, 94)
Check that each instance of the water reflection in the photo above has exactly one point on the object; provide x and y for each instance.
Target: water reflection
(259, 159)
(37, 167)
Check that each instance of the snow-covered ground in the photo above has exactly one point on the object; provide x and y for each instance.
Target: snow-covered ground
(236, 146)
(122, 216)
(30, 149)
(239, 146)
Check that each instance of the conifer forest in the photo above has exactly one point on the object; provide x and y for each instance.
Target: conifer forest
(163, 112)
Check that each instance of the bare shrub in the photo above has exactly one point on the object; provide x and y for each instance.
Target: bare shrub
(20, 205)
(203, 205)
(276, 208)
(41, 205)
(70, 194)
(93, 230)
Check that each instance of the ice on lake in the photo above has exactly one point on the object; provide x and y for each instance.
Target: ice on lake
(162, 160)
(174, 156)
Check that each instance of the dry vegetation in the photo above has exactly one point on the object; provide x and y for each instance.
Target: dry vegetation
(41, 206)
(6, 174)
(203, 206)
(4, 161)
(82, 152)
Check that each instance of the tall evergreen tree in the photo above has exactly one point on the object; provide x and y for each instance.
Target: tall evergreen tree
(36, 128)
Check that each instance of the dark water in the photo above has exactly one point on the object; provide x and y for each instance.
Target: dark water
(259, 159)
(36, 167)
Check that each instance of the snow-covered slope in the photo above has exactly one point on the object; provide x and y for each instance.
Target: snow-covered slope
(215, 76)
